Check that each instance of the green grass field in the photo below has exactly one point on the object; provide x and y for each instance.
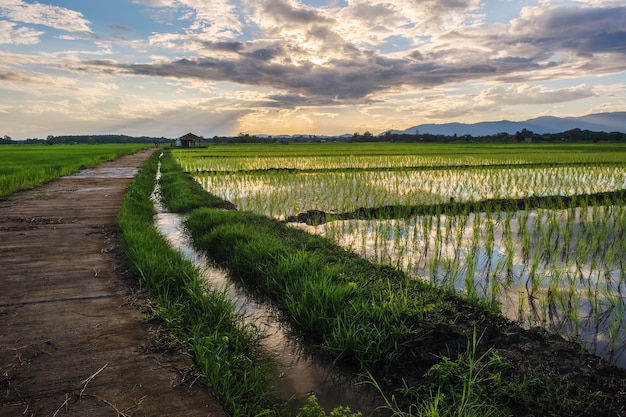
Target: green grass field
(26, 166)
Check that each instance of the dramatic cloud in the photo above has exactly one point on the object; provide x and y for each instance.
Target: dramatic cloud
(370, 63)
(541, 39)
(583, 31)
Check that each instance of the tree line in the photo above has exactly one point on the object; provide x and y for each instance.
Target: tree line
(573, 135)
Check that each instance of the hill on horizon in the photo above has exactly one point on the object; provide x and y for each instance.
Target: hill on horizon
(599, 122)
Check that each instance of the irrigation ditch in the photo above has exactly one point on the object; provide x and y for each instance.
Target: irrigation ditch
(300, 373)
(428, 350)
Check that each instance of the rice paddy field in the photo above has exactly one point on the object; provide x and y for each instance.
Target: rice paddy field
(26, 166)
(438, 240)
(534, 230)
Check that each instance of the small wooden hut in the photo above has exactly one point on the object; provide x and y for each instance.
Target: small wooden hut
(187, 141)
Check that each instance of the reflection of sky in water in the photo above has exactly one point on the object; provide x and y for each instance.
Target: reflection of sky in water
(100, 172)
(523, 260)
(284, 193)
(190, 164)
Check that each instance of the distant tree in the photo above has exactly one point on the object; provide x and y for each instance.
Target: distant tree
(527, 133)
(574, 134)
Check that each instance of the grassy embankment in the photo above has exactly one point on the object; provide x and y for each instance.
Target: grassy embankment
(222, 346)
(433, 345)
(26, 166)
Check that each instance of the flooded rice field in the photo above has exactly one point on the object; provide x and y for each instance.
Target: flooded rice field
(561, 269)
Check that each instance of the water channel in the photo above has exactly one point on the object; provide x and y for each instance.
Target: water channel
(299, 373)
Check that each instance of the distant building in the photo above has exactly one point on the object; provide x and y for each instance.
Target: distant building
(187, 141)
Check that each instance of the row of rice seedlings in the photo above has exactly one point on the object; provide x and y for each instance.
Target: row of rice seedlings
(388, 155)
(555, 268)
(193, 163)
(283, 193)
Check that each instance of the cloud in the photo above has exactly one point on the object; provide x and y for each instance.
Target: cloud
(15, 76)
(10, 34)
(338, 79)
(289, 101)
(307, 54)
(534, 94)
(55, 17)
(156, 3)
(121, 28)
(217, 19)
(584, 31)
(281, 12)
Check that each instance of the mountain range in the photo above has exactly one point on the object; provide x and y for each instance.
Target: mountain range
(599, 122)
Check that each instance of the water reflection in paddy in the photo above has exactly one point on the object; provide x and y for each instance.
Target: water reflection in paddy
(561, 269)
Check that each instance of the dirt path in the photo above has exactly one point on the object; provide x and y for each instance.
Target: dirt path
(72, 343)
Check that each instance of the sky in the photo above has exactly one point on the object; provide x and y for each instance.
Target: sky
(319, 67)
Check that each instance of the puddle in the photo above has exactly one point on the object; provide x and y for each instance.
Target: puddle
(300, 375)
(106, 173)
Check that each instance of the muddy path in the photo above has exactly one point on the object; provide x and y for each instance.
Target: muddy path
(73, 340)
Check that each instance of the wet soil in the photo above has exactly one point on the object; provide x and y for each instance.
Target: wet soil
(74, 337)
(531, 355)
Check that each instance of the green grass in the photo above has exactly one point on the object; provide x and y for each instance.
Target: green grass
(353, 310)
(483, 384)
(26, 166)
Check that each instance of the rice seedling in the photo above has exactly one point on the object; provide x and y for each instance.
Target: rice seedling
(289, 193)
